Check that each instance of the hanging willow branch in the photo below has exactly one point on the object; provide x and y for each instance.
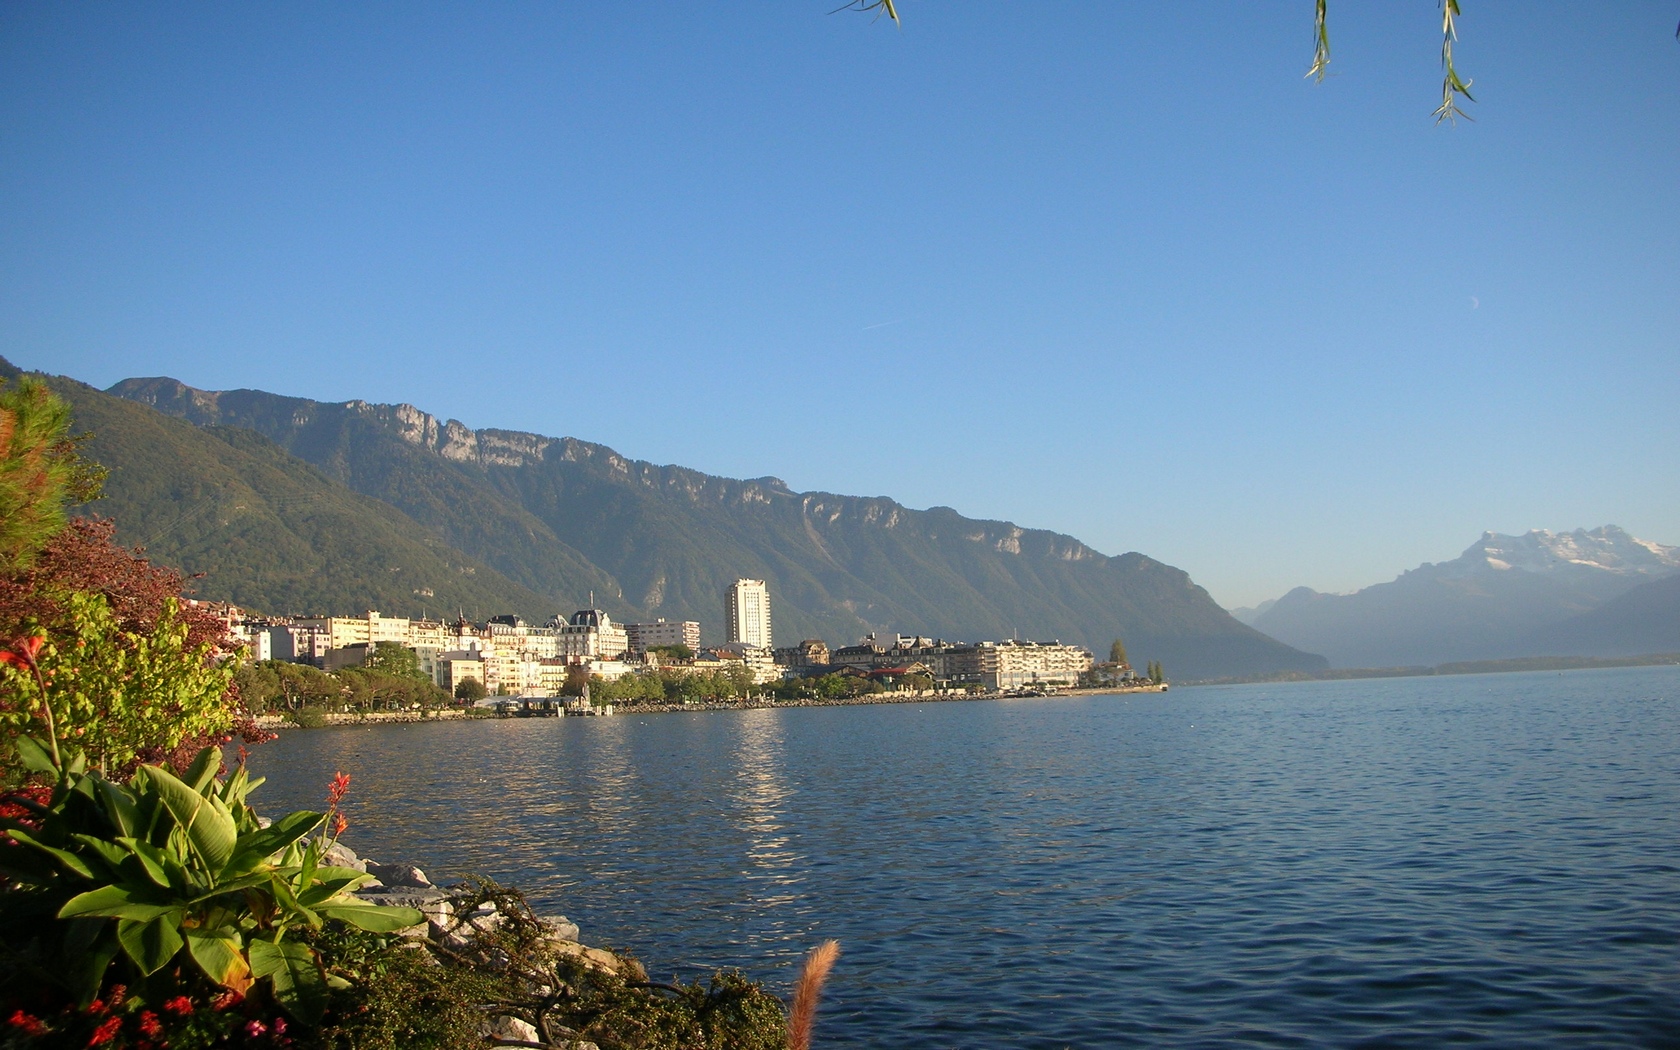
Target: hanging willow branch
(880, 7)
(1451, 85)
(1321, 43)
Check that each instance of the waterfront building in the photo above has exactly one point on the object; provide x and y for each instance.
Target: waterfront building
(746, 607)
(811, 653)
(459, 665)
(369, 629)
(1030, 665)
(759, 660)
(644, 636)
(590, 634)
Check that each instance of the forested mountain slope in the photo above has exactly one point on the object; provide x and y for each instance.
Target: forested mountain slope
(267, 530)
(563, 517)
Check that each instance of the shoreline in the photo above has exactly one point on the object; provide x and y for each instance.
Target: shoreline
(335, 720)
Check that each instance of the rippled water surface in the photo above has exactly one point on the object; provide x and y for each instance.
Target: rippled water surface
(1480, 860)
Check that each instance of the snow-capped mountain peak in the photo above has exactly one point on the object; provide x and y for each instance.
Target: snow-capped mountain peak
(1607, 549)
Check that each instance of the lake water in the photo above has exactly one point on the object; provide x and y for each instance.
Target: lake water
(1488, 860)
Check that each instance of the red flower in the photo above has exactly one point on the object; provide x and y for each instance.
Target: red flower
(336, 793)
(29, 1024)
(179, 1005)
(105, 1032)
(340, 824)
(227, 1000)
(149, 1026)
(26, 648)
(253, 1029)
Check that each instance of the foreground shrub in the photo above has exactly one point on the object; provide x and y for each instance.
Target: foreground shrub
(167, 893)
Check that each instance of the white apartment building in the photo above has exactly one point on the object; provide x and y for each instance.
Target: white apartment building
(746, 607)
(644, 636)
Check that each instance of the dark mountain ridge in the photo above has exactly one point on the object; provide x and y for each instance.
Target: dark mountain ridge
(560, 517)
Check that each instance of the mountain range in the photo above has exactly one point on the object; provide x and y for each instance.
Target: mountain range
(288, 505)
(1598, 592)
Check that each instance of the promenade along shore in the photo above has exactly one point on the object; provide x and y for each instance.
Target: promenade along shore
(457, 714)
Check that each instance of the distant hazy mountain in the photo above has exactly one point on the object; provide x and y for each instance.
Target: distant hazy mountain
(1644, 620)
(1496, 600)
(1248, 614)
(559, 518)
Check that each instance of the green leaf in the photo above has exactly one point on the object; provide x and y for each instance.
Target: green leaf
(257, 847)
(289, 902)
(115, 902)
(151, 943)
(374, 918)
(330, 882)
(87, 960)
(208, 824)
(34, 756)
(298, 983)
(220, 954)
(243, 882)
(71, 861)
(121, 808)
(150, 858)
(112, 854)
(206, 764)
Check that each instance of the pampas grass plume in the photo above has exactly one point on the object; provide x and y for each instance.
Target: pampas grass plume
(807, 991)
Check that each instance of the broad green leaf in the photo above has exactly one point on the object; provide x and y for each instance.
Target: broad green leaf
(70, 861)
(208, 824)
(298, 983)
(151, 943)
(289, 902)
(150, 858)
(243, 882)
(205, 765)
(120, 806)
(256, 847)
(330, 882)
(115, 902)
(219, 953)
(375, 918)
(86, 966)
(112, 854)
(34, 756)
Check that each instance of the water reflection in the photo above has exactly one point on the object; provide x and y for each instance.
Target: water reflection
(759, 790)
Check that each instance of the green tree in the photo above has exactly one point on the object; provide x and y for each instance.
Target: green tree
(394, 658)
(40, 471)
(470, 691)
(673, 652)
(1117, 653)
(119, 696)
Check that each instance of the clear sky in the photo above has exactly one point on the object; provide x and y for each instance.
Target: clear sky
(1112, 269)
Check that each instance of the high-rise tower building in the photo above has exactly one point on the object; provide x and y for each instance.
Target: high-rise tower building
(746, 612)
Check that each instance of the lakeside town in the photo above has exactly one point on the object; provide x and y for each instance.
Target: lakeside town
(586, 662)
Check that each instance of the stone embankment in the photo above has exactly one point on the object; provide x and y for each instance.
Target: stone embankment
(277, 722)
(455, 929)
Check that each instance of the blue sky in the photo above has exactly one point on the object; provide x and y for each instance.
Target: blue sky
(1116, 270)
